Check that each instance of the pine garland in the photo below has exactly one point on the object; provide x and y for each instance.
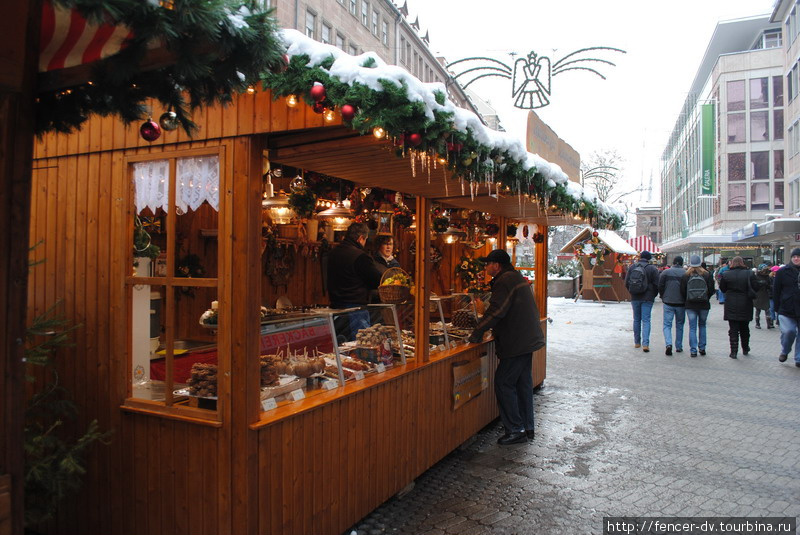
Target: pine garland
(221, 46)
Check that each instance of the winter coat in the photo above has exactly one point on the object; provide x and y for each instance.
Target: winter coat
(512, 315)
(669, 286)
(763, 290)
(738, 283)
(785, 293)
(691, 305)
(383, 265)
(351, 274)
(651, 272)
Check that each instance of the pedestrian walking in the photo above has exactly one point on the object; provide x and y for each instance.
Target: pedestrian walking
(763, 296)
(738, 285)
(787, 302)
(514, 319)
(723, 267)
(642, 283)
(669, 289)
(697, 287)
(773, 313)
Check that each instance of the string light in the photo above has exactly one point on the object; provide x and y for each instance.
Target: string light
(291, 101)
(378, 132)
(251, 89)
(328, 115)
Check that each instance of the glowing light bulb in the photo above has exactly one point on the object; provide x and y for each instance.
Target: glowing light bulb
(378, 132)
(442, 160)
(251, 90)
(328, 115)
(291, 101)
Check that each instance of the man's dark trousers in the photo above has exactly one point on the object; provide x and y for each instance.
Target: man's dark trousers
(513, 386)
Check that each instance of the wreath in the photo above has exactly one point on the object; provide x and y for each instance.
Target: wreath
(593, 248)
(402, 215)
(440, 224)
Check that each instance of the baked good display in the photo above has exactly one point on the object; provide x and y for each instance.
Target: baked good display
(465, 319)
(203, 380)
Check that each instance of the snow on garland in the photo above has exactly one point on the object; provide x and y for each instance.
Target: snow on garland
(419, 117)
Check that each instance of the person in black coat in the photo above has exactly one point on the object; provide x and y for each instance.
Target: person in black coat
(642, 302)
(697, 310)
(786, 295)
(763, 295)
(738, 285)
(514, 319)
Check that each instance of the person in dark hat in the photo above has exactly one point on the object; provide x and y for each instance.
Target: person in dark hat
(669, 289)
(786, 295)
(514, 319)
(642, 283)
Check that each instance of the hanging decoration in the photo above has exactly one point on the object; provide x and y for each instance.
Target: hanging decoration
(439, 224)
(471, 272)
(150, 130)
(593, 248)
(169, 121)
(317, 92)
(348, 112)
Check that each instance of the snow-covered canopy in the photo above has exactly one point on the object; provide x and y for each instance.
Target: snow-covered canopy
(611, 239)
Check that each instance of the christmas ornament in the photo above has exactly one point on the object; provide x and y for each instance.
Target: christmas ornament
(318, 91)
(150, 131)
(297, 184)
(595, 234)
(168, 120)
(414, 139)
(318, 107)
(348, 112)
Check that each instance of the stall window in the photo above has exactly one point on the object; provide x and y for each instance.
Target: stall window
(173, 290)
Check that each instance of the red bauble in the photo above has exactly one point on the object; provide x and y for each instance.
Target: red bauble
(150, 130)
(595, 234)
(414, 139)
(348, 112)
(318, 107)
(318, 92)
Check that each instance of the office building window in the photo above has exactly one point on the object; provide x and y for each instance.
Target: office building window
(777, 164)
(414, 64)
(326, 34)
(339, 41)
(777, 124)
(759, 129)
(736, 128)
(737, 200)
(736, 95)
(759, 165)
(778, 198)
(777, 91)
(736, 169)
(385, 33)
(408, 52)
(403, 57)
(772, 38)
(789, 86)
(375, 18)
(758, 93)
(352, 49)
(759, 196)
(365, 13)
(311, 24)
(354, 7)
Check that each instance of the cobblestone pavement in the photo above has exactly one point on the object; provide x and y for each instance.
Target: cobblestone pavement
(622, 432)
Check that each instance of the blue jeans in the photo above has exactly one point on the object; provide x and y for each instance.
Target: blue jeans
(788, 335)
(772, 313)
(697, 318)
(720, 297)
(679, 314)
(641, 321)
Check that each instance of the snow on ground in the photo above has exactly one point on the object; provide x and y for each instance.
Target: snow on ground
(587, 326)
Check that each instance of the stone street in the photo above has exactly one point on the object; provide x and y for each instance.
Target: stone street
(622, 432)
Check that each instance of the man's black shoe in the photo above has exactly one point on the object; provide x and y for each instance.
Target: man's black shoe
(679, 350)
(669, 350)
(513, 438)
(732, 355)
(781, 358)
(745, 350)
(702, 351)
(693, 354)
(530, 434)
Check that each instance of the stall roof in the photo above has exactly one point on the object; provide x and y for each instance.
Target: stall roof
(643, 243)
(611, 239)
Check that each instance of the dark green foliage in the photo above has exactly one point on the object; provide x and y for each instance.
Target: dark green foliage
(303, 201)
(55, 453)
(210, 53)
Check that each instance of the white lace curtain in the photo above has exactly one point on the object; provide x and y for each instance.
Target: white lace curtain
(197, 181)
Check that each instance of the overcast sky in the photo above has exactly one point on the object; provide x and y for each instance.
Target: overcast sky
(635, 109)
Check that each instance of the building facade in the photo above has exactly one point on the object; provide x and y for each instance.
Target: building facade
(379, 26)
(723, 166)
(648, 223)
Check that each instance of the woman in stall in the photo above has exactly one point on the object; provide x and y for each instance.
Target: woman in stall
(384, 252)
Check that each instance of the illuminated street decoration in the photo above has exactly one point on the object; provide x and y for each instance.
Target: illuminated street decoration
(530, 76)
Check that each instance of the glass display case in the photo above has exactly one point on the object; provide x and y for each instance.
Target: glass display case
(452, 319)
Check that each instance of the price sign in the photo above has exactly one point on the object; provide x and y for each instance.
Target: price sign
(359, 375)
(269, 404)
(330, 384)
(381, 368)
(298, 394)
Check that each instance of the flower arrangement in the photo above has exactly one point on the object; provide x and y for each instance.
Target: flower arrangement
(303, 200)
(472, 275)
(402, 215)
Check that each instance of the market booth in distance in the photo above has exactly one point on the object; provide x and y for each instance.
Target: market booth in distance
(239, 402)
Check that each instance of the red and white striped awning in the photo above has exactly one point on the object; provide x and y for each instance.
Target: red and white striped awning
(67, 39)
(643, 243)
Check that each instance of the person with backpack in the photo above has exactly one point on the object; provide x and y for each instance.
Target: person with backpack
(669, 289)
(786, 293)
(697, 287)
(763, 295)
(642, 283)
(738, 285)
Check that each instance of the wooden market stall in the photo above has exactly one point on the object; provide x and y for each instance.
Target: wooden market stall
(604, 257)
(231, 463)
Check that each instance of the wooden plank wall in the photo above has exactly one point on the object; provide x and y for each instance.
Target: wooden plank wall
(345, 458)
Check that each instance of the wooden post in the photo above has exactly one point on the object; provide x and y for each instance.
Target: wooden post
(20, 25)
(422, 273)
(540, 284)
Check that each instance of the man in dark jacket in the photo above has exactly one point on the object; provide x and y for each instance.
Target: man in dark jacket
(669, 289)
(642, 301)
(514, 319)
(352, 274)
(786, 295)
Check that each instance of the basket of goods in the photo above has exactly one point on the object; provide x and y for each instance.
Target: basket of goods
(395, 286)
